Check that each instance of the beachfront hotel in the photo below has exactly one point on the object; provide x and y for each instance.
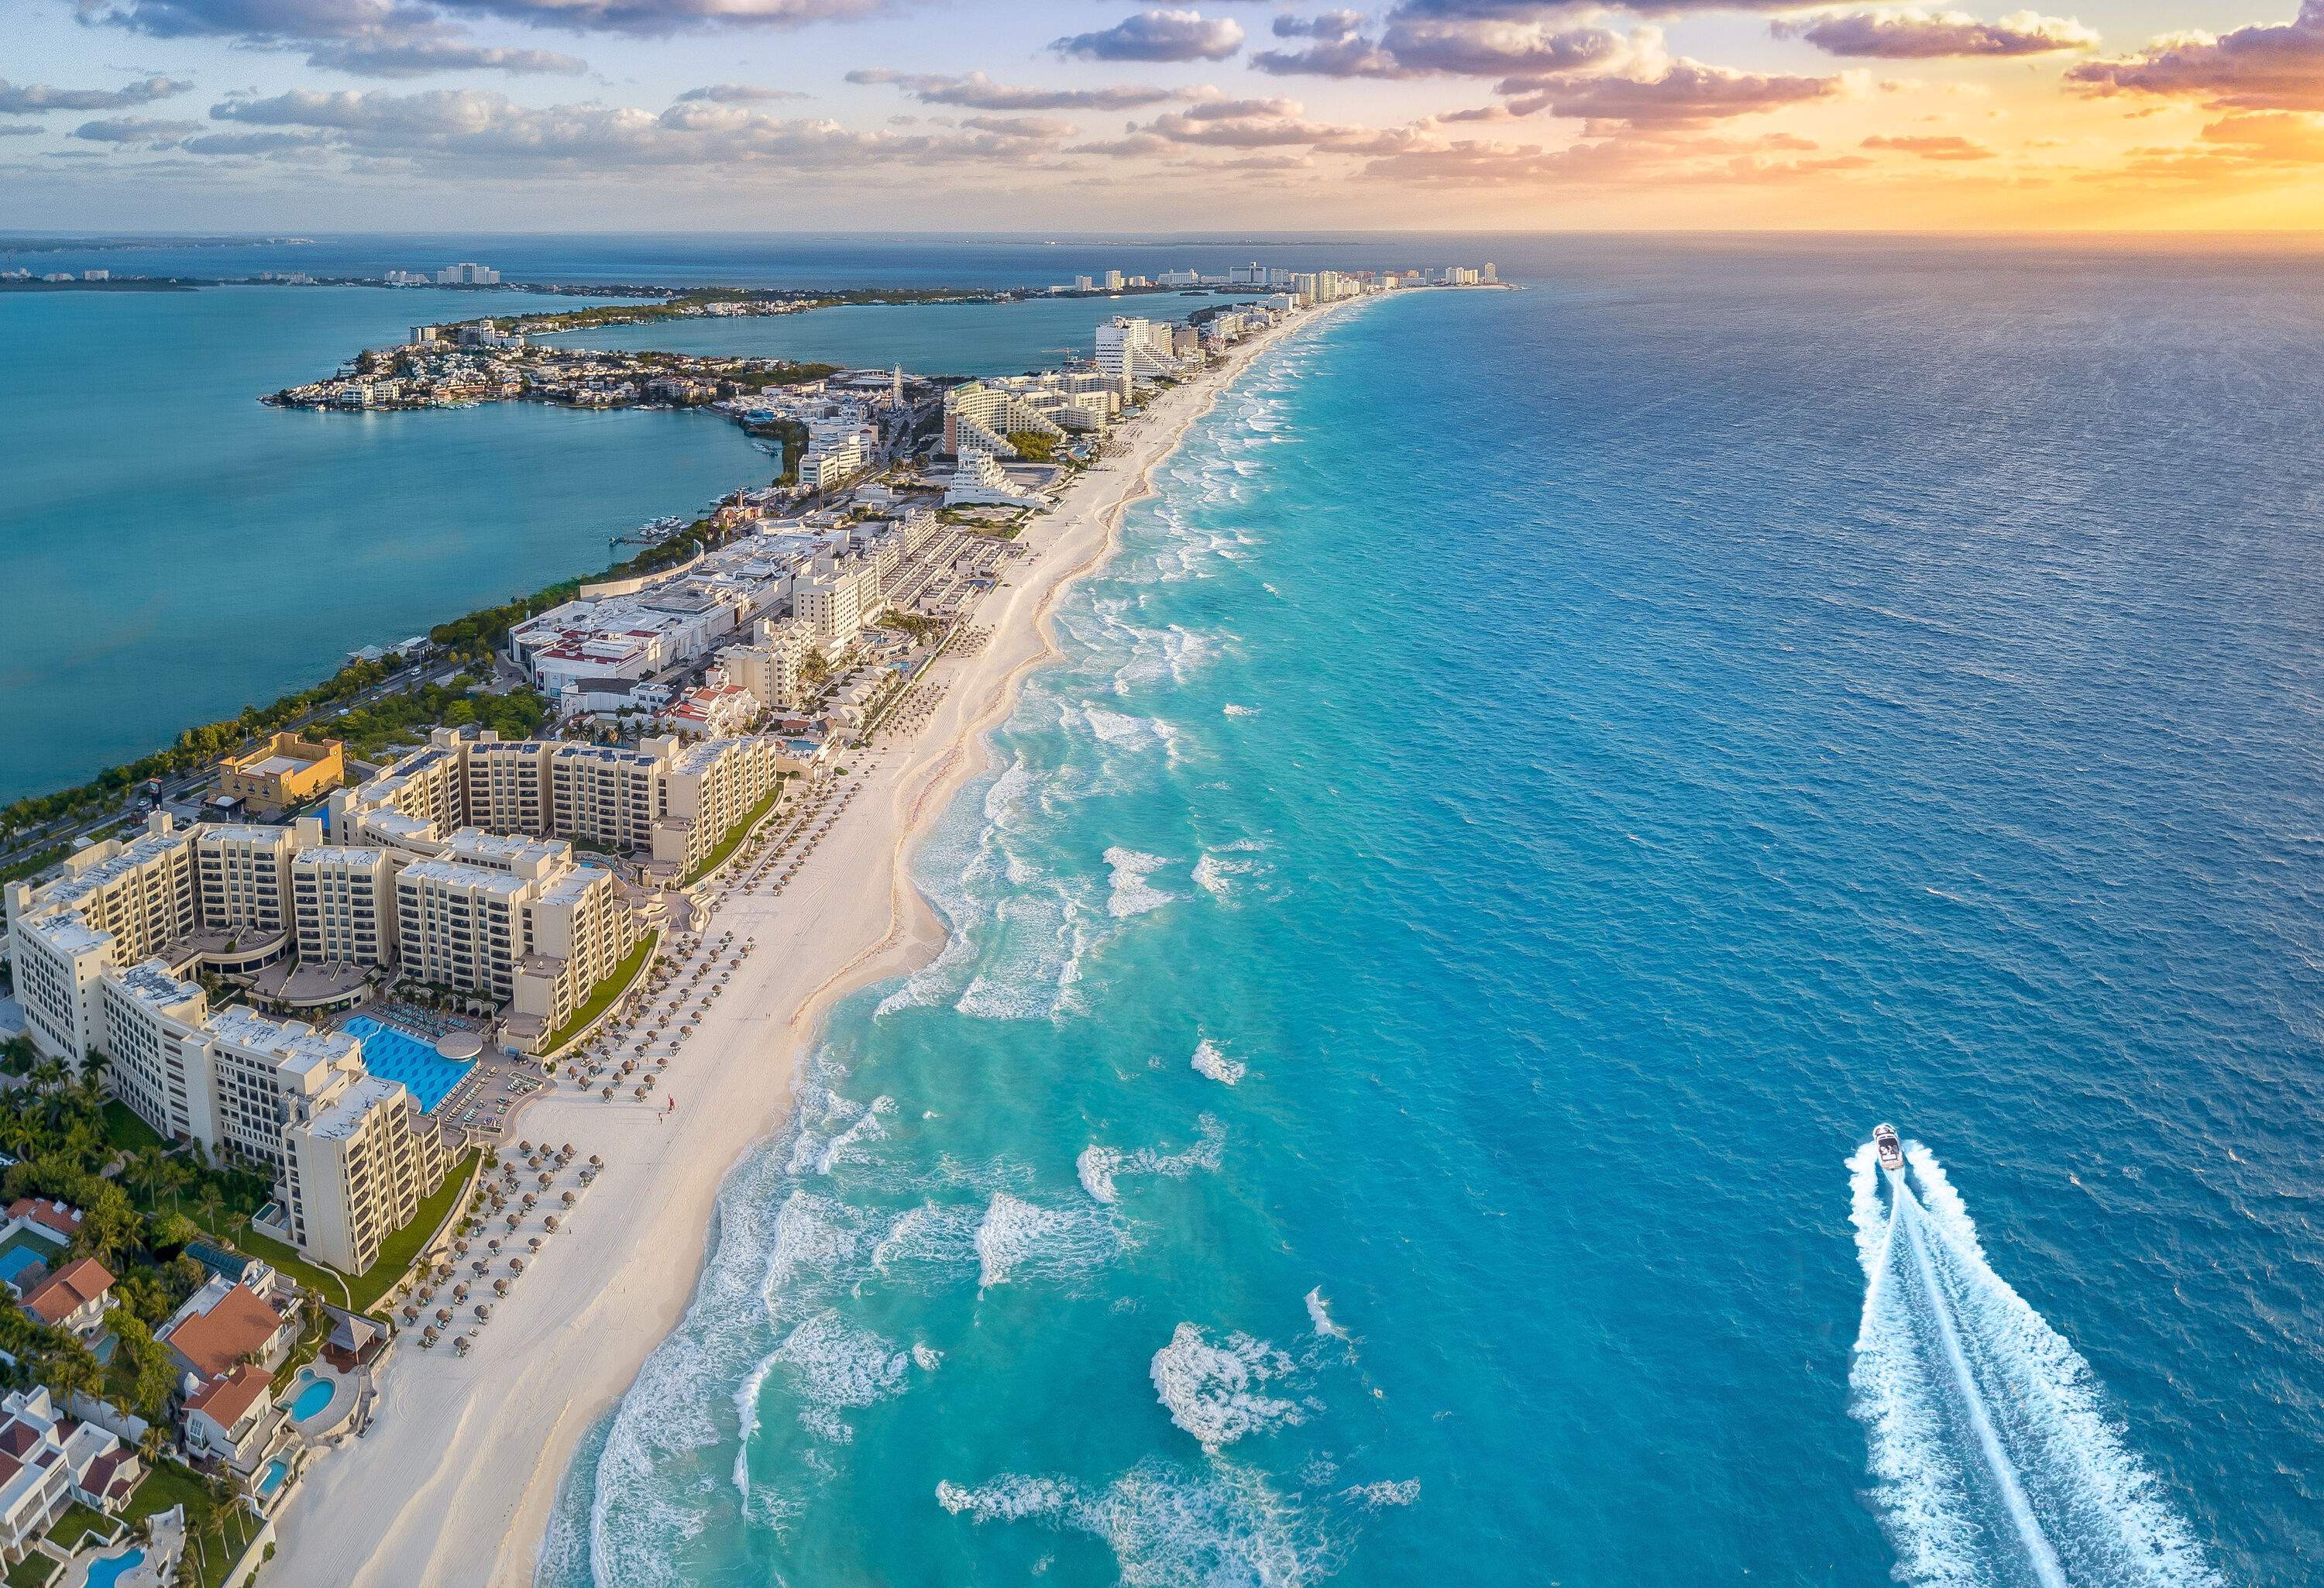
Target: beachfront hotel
(345, 1148)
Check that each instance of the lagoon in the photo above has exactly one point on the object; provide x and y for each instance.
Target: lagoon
(930, 338)
(194, 551)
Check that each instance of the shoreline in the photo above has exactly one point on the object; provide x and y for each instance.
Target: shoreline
(465, 1456)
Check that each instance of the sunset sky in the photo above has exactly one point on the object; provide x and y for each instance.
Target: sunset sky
(1077, 115)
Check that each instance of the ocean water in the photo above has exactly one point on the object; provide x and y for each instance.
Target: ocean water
(1545, 774)
(171, 550)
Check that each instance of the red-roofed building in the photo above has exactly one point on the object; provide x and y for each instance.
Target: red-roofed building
(221, 1324)
(73, 1297)
(59, 1220)
(236, 1419)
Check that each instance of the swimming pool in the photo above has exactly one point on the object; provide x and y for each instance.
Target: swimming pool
(105, 1573)
(271, 1478)
(313, 1396)
(396, 1055)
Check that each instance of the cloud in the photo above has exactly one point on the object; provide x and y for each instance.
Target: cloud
(1923, 35)
(2264, 67)
(1416, 44)
(1328, 25)
(1622, 158)
(31, 98)
(363, 38)
(1158, 35)
(738, 94)
(667, 16)
(481, 133)
(273, 142)
(277, 22)
(1934, 146)
(134, 129)
(1687, 93)
(385, 57)
(17, 129)
(978, 92)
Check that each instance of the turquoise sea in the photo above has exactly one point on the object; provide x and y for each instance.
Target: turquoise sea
(1546, 773)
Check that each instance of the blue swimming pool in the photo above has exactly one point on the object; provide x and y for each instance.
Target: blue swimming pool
(271, 1478)
(312, 1399)
(105, 1573)
(399, 1055)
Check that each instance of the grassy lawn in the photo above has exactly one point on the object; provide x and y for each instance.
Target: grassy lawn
(606, 990)
(125, 1131)
(166, 1486)
(743, 829)
(34, 1571)
(395, 1253)
(208, 1558)
(76, 1525)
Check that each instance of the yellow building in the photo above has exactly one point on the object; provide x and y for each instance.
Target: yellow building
(283, 773)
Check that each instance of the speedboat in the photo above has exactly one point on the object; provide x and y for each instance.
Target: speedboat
(1891, 1151)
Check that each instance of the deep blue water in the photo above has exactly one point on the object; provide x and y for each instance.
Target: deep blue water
(1545, 776)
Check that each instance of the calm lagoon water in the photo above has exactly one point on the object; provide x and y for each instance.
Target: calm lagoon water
(933, 338)
(1430, 955)
(171, 550)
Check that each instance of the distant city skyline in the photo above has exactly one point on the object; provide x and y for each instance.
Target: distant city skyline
(782, 115)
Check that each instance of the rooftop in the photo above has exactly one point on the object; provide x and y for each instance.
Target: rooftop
(213, 1338)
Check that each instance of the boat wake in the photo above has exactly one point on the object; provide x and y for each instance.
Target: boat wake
(1995, 1463)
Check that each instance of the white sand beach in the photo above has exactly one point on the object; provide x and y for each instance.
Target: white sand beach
(452, 1485)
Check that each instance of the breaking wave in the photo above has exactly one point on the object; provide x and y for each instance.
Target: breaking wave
(1214, 1391)
(1099, 1167)
(1210, 1061)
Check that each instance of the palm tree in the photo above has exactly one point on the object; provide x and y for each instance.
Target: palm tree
(208, 1200)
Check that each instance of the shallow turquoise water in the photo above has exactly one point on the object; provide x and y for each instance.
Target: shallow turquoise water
(1429, 957)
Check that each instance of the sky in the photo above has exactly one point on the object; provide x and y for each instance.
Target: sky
(1082, 115)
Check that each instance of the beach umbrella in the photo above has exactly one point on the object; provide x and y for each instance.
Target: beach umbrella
(549, 1224)
(516, 1265)
(500, 1286)
(609, 1094)
(492, 1246)
(595, 1162)
(483, 1309)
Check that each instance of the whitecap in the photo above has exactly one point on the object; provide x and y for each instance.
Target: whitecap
(1132, 893)
(1384, 1493)
(1210, 1060)
(1017, 1238)
(1099, 1167)
(1213, 1391)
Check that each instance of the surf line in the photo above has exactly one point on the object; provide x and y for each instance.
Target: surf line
(2044, 1558)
